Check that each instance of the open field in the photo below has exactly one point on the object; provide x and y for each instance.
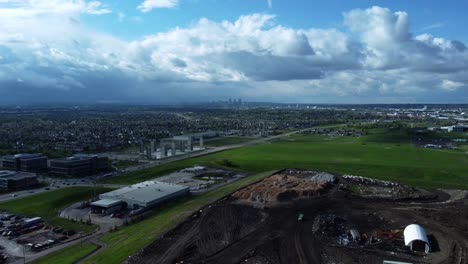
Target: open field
(122, 164)
(225, 141)
(391, 157)
(48, 204)
(68, 255)
(128, 240)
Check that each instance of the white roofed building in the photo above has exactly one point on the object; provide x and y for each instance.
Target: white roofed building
(416, 238)
(141, 196)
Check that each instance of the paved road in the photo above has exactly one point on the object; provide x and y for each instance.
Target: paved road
(56, 186)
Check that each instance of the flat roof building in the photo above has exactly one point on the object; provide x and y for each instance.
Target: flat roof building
(79, 165)
(12, 180)
(25, 162)
(460, 129)
(142, 195)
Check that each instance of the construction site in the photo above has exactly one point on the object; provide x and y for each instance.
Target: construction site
(297, 216)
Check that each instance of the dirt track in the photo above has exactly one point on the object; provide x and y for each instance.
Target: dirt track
(233, 232)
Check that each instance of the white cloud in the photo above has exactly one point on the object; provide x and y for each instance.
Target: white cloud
(28, 8)
(433, 26)
(149, 5)
(252, 57)
(451, 85)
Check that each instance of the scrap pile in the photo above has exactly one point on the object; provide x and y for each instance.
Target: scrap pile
(372, 188)
(330, 225)
(284, 187)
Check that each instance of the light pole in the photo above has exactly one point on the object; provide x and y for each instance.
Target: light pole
(24, 255)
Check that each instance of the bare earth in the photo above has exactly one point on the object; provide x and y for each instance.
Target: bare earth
(259, 224)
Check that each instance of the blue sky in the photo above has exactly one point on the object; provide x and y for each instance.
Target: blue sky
(443, 18)
(158, 51)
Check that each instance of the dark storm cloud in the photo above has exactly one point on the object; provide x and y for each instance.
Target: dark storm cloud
(269, 67)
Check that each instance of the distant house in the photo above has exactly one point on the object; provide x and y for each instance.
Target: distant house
(416, 239)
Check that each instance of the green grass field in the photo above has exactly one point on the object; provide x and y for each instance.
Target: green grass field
(128, 240)
(226, 141)
(389, 156)
(121, 164)
(48, 204)
(68, 255)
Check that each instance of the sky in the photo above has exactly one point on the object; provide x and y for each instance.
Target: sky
(183, 51)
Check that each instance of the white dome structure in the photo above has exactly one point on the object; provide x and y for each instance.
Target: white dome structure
(416, 238)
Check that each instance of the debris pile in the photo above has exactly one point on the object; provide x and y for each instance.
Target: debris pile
(372, 188)
(331, 225)
(283, 188)
(365, 180)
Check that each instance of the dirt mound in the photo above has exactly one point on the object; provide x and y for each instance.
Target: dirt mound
(280, 188)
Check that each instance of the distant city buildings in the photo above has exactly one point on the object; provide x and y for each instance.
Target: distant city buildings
(13, 180)
(25, 162)
(79, 165)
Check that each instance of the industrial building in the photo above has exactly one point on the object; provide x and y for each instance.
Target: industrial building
(416, 239)
(79, 165)
(138, 197)
(184, 143)
(13, 180)
(25, 162)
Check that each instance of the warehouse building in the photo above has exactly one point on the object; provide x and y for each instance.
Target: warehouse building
(25, 162)
(138, 197)
(79, 165)
(12, 180)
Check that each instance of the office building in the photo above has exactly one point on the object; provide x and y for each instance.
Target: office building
(25, 162)
(13, 180)
(79, 165)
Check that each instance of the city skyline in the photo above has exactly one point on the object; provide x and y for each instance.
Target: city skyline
(169, 51)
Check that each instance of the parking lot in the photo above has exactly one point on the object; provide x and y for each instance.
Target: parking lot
(21, 236)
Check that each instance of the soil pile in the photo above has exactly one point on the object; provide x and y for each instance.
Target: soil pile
(281, 188)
